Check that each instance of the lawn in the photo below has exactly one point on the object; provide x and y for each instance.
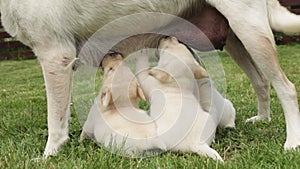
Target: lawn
(23, 130)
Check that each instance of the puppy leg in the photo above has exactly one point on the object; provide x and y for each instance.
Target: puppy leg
(206, 151)
(213, 102)
(260, 84)
(228, 118)
(57, 65)
(257, 38)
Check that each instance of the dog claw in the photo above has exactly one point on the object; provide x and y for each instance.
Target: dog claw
(257, 118)
(291, 147)
(50, 152)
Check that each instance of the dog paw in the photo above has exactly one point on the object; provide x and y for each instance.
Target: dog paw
(257, 118)
(292, 147)
(53, 146)
(50, 152)
(292, 143)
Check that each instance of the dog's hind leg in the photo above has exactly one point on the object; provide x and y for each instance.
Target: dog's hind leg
(57, 61)
(257, 37)
(260, 84)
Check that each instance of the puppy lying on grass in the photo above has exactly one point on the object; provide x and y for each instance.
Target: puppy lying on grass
(182, 124)
(174, 108)
(209, 98)
(115, 119)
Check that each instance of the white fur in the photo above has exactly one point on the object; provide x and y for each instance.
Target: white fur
(212, 101)
(54, 28)
(182, 124)
(264, 59)
(281, 19)
(110, 128)
(114, 121)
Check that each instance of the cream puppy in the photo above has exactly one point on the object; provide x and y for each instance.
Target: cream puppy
(182, 124)
(115, 118)
(209, 98)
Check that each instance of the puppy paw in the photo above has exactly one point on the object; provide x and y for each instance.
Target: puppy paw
(206, 151)
(257, 118)
(230, 125)
(228, 117)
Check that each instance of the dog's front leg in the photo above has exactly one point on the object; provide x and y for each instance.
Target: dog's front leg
(57, 69)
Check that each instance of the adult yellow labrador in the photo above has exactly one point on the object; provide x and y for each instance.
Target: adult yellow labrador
(55, 30)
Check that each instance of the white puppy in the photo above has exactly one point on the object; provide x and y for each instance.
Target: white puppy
(109, 120)
(212, 101)
(209, 98)
(182, 124)
(115, 120)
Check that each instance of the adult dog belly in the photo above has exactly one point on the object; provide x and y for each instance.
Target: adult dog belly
(213, 32)
(78, 20)
(213, 25)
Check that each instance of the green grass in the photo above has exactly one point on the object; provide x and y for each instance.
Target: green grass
(23, 126)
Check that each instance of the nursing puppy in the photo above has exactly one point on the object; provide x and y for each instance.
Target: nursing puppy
(209, 98)
(115, 118)
(182, 124)
(108, 123)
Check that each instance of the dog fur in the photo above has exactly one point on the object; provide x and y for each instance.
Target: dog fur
(115, 119)
(210, 99)
(55, 29)
(172, 101)
(213, 102)
(107, 125)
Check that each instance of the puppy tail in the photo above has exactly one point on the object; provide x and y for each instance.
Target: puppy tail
(281, 19)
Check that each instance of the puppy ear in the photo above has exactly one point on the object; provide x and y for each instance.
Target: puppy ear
(140, 92)
(160, 75)
(200, 73)
(106, 97)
